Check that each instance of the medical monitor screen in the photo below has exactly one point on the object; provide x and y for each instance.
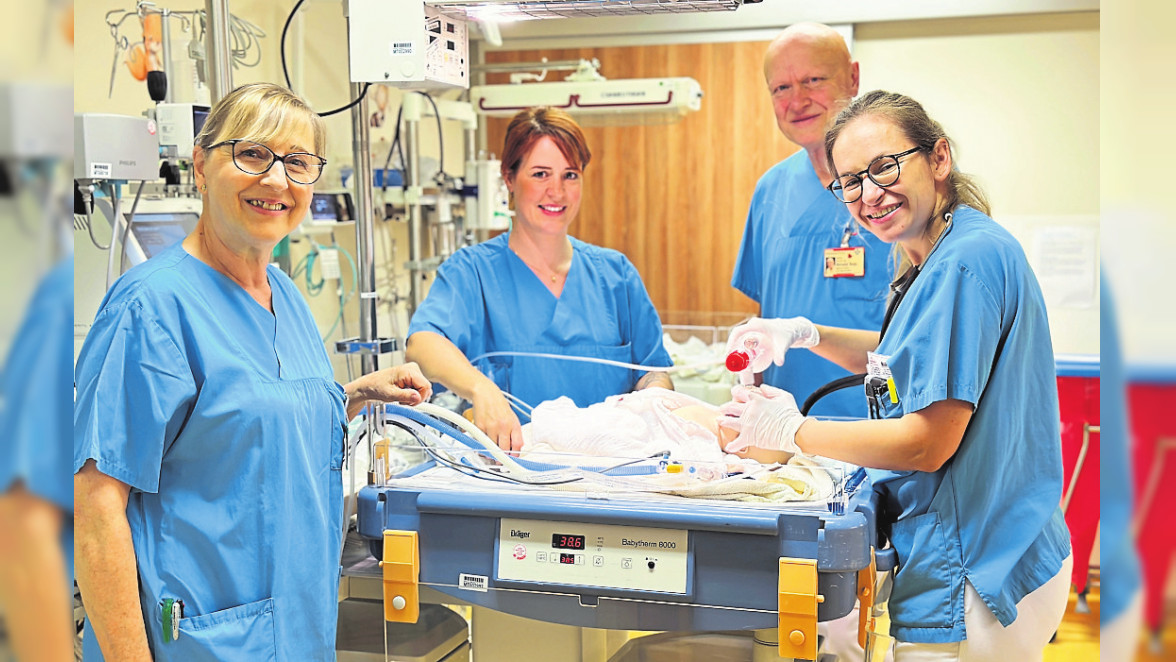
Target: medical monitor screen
(335, 207)
(155, 232)
(323, 207)
(199, 117)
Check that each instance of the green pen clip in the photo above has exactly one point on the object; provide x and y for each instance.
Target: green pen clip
(173, 610)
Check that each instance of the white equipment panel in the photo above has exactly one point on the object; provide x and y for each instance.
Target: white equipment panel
(598, 555)
(404, 44)
(117, 147)
(179, 123)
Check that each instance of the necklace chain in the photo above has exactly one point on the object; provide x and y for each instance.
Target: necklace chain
(554, 275)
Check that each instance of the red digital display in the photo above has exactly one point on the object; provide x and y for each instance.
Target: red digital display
(564, 541)
(567, 558)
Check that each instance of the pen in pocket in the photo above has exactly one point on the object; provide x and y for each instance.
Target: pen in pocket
(172, 612)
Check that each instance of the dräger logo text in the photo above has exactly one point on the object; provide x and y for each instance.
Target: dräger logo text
(521, 535)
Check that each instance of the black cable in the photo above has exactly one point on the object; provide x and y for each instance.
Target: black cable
(282, 42)
(286, 71)
(403, 163)
(835, 385)
(899, 289)
(362, 94)
(394, 147)
(440, 138)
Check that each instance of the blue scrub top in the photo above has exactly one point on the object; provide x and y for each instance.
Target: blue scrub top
(1118, 559)
(35, 388)
(781, 265)
(486, 299)
(973, 327)
(227, 424)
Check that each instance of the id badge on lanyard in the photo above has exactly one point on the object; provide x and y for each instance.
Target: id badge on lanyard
(845, 261)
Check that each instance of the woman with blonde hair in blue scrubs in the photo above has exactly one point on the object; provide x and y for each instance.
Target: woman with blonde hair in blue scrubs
(208, 427)
(535, 289)
(964, 441)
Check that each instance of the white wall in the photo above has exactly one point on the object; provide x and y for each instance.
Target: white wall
(1136, 178)
(1020, 98)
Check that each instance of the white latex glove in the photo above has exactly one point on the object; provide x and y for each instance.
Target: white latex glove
(741, 396)
(765, 417)
(765, 341)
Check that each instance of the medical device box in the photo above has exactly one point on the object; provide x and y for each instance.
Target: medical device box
(405, 44)
(179, 124)
(488, 208)
(115, 147)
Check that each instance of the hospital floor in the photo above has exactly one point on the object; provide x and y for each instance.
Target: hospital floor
(1077, 638)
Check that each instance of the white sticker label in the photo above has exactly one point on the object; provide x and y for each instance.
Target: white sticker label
(330, 263)
(473, 582)
(99, 170)
(876, 365)
(402, 48)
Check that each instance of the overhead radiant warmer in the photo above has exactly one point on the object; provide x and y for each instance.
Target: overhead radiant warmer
(510, 10)
(595, 100)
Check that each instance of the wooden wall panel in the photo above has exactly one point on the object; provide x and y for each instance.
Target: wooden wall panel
(674, 198)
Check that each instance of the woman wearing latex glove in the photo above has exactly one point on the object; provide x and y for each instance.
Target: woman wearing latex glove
(962, 392)
(766, 340)
(763, 417)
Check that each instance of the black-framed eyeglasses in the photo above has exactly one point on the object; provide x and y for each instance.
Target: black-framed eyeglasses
(883, 171)
(256, 159)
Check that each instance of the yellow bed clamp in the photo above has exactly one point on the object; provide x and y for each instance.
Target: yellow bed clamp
(866, 580)
(402, 568)
(798, 600)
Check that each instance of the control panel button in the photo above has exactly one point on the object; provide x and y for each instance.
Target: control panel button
(541, 557)
(626, 564)
(598, 561)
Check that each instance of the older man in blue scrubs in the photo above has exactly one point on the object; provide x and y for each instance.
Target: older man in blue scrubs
(801, 254)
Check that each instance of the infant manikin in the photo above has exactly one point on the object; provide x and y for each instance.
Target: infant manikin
(637, 424)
